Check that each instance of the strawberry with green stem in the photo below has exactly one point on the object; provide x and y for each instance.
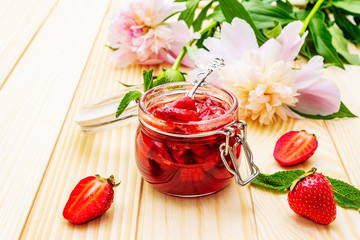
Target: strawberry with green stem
(312, 196)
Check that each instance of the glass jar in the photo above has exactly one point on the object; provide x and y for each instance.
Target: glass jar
(193, 158)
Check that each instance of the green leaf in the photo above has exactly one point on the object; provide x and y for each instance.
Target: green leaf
(352, 6)
(263, 14)
(188, 14)
(323, 40)
(232, 9)
(275, 32)
(148, 79)
(350, 30)
(201, 17)
(126, 85)
(130, 96)
(341, 45)
(278, 181)
(346, 195)
(217, 15)
(342, 113)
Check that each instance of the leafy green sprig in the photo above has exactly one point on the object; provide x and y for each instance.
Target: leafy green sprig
(346, 195)
(150, 81)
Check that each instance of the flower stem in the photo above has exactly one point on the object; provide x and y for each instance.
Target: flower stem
(311, 14)
(184, 50)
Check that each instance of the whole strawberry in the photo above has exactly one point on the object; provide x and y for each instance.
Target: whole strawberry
(312, 196)
(91, 197)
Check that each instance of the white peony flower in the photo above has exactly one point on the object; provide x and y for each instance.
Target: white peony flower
(263, 77)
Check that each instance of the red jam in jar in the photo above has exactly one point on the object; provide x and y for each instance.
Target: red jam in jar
(178, 139)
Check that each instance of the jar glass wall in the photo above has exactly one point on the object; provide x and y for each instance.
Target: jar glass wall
(183, 158)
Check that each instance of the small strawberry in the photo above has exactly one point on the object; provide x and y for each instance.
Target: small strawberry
(185, 103)
(176, 114)
(91, 197)
(295, 147)
(312, 196)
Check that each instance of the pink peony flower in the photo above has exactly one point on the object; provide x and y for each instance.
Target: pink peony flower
(140, 35)
(263, 77)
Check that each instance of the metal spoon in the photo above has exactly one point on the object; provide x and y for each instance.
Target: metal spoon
(216, 64)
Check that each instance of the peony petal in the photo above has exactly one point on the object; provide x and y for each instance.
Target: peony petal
(237, 38)
(291, 113)
(310, 73)
(322, 97)
(203, 58)
(181, 32)
(272, 50)
(291, 41)
(214, 45)
(123, 56)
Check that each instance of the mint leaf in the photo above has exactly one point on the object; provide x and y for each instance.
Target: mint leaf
(130, 96)
(342, 113)
(278, 181)
(148, 79)
(126, 85)
(232, 9)
(110, 47)
(346, 195)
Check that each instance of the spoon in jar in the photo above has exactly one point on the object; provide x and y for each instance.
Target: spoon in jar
(216, 64)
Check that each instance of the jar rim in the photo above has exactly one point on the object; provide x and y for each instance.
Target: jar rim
(233, 103)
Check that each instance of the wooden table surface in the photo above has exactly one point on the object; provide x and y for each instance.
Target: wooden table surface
(52, 61)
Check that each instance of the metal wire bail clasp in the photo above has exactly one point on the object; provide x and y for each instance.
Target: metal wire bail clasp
(225, 149)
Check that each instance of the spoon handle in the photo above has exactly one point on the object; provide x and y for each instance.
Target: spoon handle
(216, 64)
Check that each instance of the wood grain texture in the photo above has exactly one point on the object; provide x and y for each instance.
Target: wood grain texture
(19, 23)
(227, 214)
(64, 64)
(34, 102)
(78, 155)
(345, 133)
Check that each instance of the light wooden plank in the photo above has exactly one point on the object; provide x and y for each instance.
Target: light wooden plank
(78, 155)
(35, 101)
(227, 214)
(19, 23)
(345, 133)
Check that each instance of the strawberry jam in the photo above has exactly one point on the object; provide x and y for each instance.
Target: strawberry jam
(178, 139)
